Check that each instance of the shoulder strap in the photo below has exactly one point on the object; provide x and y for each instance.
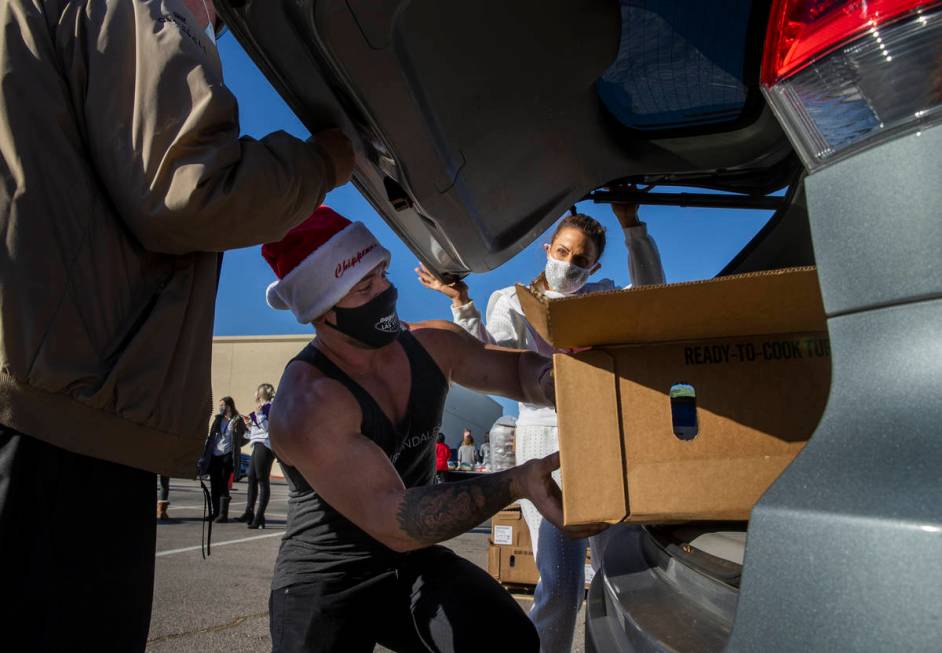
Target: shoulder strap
(421, 361)
(316, 358)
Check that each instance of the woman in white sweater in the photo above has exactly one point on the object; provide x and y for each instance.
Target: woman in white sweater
(571, 257)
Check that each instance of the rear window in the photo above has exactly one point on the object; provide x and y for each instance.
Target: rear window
(680, 64)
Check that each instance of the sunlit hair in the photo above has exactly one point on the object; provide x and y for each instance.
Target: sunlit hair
(266, 391)
(230, 405)
(587, 225)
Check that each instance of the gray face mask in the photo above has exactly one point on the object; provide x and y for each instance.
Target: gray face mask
(565, 278)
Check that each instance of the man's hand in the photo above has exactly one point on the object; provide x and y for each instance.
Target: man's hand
(536, 483)
(627, 214)
(457, 291)
(340, 150)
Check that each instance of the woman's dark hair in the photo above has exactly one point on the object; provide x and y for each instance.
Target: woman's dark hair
(587, 225)
(441, 437)
(230, 405)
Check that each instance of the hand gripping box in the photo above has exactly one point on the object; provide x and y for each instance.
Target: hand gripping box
(693, 398)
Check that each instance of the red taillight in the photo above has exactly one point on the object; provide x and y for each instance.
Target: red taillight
(801, 30)
(843, 74)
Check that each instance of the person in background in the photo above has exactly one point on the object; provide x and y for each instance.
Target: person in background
(484, 453)
(163, 498)
(222, 456)
(125, 175)
(572, 256)
(262, 458)
(467, 452)
(442, 454)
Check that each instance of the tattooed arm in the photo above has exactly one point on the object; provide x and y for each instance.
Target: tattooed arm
(440, 512)
(435, 513)
(315, 428)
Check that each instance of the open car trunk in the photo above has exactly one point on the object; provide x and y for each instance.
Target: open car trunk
(477, 124)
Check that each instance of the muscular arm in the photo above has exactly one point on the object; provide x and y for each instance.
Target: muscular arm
(315, 428)
(521, 375)
(435, 513)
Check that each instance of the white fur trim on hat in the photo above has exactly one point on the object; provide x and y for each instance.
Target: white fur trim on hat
(328, 273)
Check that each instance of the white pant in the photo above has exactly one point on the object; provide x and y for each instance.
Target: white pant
(559, 559)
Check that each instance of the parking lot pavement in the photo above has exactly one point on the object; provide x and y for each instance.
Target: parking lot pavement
(221, 603)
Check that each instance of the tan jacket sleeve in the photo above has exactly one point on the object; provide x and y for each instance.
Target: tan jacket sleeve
(163, 131)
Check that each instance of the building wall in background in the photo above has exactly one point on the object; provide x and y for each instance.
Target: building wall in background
(242, 363)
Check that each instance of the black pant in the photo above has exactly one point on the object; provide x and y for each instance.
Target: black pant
(164, 494)
(69, 585)
(220, 467)
(434, 601)
(259, 478)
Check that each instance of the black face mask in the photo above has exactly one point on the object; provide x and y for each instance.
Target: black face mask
(375, 324)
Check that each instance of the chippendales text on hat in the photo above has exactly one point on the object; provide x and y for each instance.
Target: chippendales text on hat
(345, 265)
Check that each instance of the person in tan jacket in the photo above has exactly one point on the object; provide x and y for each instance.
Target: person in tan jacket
(122, 179)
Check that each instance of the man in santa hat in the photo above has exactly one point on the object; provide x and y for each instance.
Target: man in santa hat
(355, 424)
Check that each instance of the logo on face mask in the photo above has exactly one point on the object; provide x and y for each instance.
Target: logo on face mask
(389, 324)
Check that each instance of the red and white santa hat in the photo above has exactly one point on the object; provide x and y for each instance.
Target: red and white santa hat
(320, 261)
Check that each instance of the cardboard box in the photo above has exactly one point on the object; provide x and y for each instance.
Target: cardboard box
(512, 565)
(510, 553)
(509, 528)
(589, 570)
(693, 398)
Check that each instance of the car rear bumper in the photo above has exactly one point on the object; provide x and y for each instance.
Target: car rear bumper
(645, 599)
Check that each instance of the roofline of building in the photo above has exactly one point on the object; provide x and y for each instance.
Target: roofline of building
(298, 337)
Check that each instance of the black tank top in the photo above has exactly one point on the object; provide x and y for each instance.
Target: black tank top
(319, 542)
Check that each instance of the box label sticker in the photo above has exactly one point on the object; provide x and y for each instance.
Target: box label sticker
(503, 535)
(749, 352)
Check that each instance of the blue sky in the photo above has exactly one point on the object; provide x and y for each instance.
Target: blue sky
(694, 243)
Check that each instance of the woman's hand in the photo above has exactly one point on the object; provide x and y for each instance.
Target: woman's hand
(627, 214)
(456, 291)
